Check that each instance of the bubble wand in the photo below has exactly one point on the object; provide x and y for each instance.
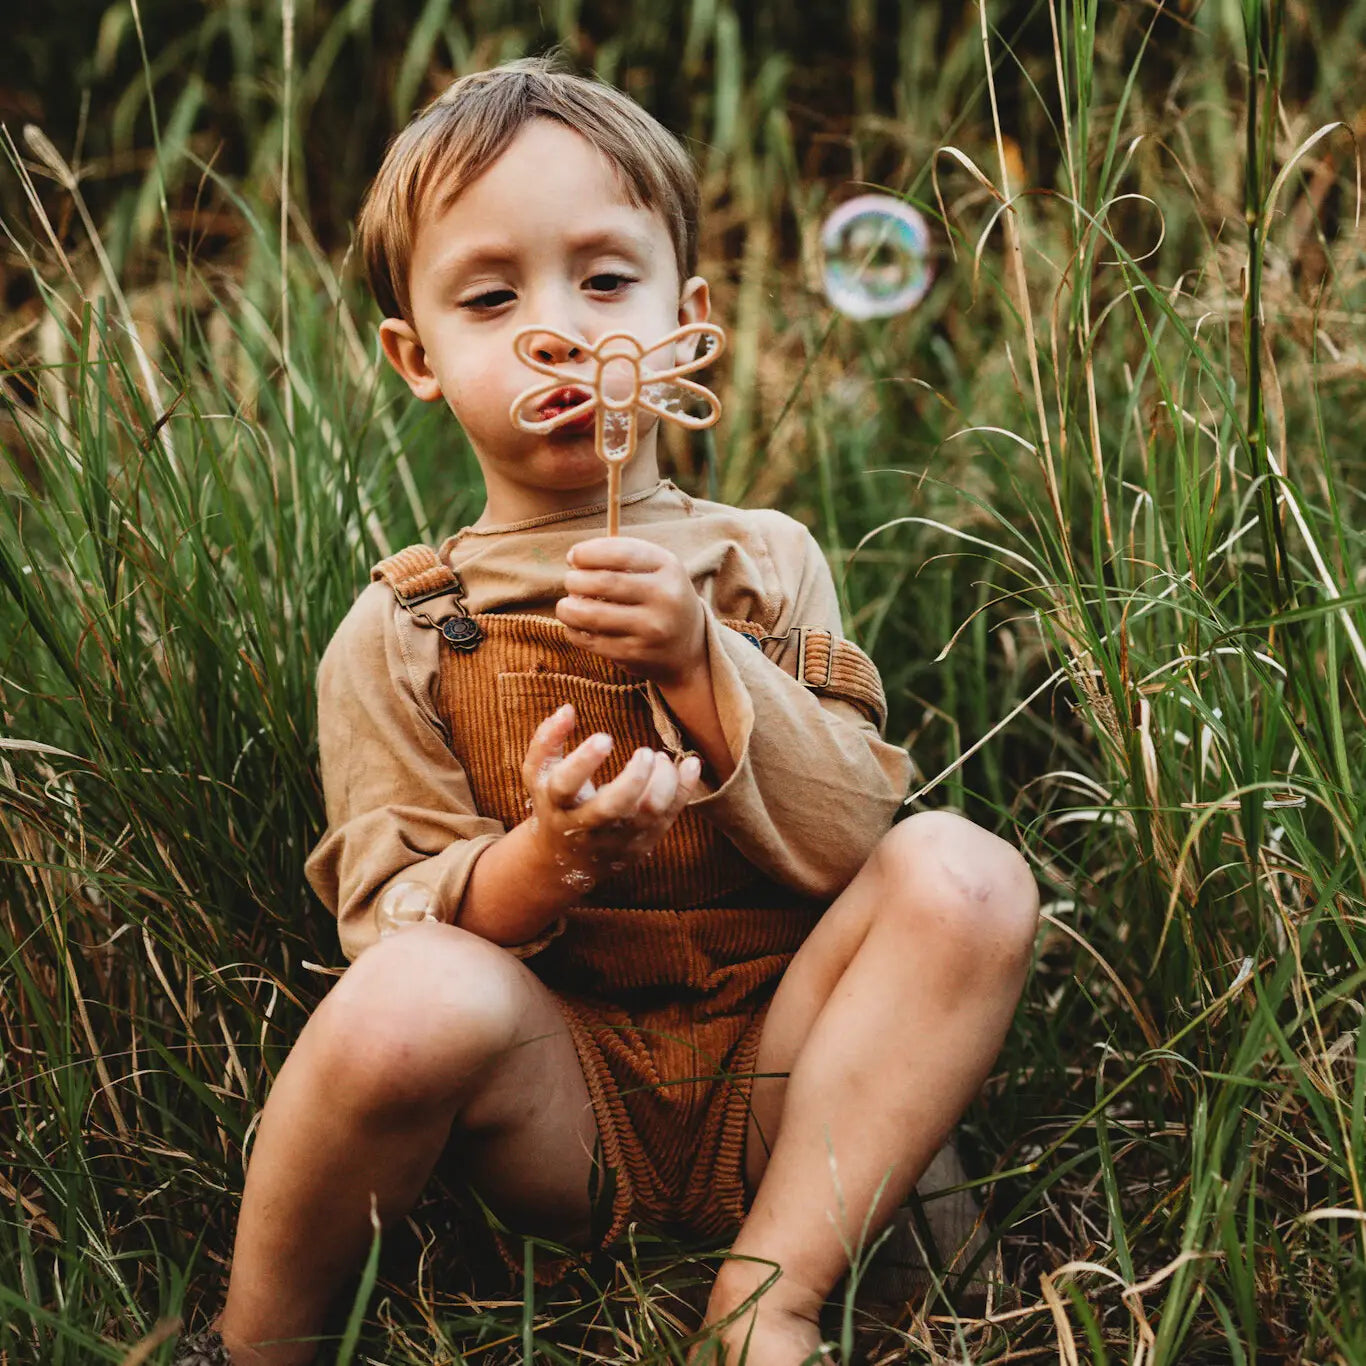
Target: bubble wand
(616, 416)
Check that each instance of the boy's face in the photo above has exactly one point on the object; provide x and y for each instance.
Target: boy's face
(544, 236)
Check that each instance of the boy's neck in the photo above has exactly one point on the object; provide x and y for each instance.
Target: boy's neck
(507, 503)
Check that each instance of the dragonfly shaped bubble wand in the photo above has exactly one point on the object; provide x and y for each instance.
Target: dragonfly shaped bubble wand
(615, 426)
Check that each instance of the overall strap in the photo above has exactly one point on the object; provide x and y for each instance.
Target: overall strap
(824, 662)
(828, 664)
(416, 575)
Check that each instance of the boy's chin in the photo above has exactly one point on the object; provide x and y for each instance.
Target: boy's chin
(564, 462)
(575, 460)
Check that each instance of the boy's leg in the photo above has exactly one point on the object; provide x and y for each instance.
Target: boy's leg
(887, 1020)
(429, 1028)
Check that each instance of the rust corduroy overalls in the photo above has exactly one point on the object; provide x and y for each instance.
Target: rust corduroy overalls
(665, 970)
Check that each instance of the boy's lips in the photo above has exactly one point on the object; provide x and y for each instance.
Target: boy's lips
(571, 396)
(568, 397)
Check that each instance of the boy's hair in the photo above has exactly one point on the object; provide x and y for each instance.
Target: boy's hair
(469, 125)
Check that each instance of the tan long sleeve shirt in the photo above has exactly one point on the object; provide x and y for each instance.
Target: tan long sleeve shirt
(814, 786)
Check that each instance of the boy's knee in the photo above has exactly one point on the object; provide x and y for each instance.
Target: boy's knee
(416, 1015)
(970, 888)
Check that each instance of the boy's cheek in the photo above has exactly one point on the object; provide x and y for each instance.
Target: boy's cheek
(482, 416)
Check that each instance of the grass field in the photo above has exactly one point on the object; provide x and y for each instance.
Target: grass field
(1094, 507)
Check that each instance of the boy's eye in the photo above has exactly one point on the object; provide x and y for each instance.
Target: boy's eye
(609, 282)
(492, 299)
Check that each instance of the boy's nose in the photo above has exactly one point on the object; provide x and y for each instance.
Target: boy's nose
(553, 350)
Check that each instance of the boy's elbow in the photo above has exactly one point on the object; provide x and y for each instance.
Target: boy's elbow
(357, 930)
(850, 854)
(841, 862)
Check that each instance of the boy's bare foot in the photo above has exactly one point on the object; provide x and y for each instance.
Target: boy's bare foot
(765, 1337)
(208, 1348)
(781, 1329)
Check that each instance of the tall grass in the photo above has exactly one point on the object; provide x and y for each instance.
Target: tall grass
(1092, 507)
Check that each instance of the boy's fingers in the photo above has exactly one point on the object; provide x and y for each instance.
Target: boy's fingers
(557, 720)
(610, 584)
(689, 780)
(566, 778)
(598, 616)
(541, 749)
(550, 734)
(615, 552)
(546, 744)
(662, 787)
(620, 798)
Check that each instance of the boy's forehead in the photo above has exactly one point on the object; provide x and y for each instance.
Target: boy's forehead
(464, 251)
(548, 182)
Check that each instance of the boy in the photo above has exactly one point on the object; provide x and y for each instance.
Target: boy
(567, 968)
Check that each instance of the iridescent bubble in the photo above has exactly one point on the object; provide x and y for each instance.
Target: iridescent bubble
(404, 904)
(876, 257)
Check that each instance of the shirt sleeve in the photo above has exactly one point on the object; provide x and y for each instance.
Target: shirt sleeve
(815, 786)
(399, 805)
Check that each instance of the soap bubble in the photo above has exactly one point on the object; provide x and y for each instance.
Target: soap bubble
(664, 395)
(674, 398)
(616, 434)
(876, 257)
(404, 904)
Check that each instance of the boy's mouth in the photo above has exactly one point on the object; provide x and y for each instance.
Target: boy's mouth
(569, 397)
(560, 401)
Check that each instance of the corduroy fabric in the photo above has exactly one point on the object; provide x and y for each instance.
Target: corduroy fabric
(665, 971)
(840, 668)
(415, 571)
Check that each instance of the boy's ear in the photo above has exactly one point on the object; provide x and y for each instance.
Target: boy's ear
(408, 356)
(694, 306)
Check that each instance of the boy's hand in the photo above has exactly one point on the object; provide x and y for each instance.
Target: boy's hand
(592, 831)
(632, 601)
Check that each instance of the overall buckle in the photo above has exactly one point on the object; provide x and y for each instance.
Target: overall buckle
(807, 633)
(459, 629)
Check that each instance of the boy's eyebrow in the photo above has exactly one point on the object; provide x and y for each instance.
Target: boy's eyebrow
(634, 242)
(498, 254)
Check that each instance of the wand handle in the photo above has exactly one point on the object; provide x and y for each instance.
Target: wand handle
(613, 498)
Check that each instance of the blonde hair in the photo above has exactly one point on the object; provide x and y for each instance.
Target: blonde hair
(469, 125)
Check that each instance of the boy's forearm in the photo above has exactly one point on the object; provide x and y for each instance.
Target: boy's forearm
(514, 889)
(693, 703)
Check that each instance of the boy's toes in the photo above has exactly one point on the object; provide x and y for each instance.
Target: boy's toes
(764, 1337)
(781, 1329)
(201, 1349)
